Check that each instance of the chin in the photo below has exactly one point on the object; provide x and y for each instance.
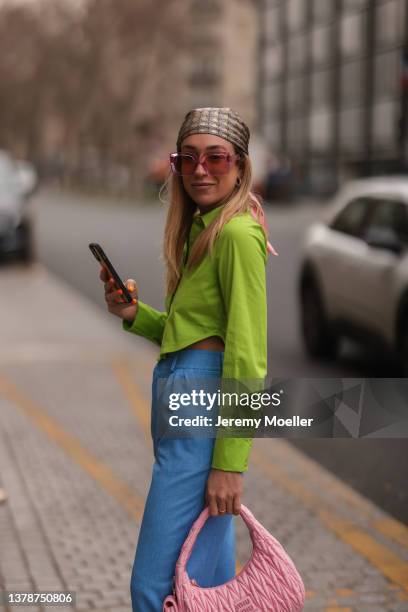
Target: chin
(202, 200)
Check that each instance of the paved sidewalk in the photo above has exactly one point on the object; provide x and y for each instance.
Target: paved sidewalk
(75, 461)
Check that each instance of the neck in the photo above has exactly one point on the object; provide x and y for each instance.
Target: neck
(206, 209)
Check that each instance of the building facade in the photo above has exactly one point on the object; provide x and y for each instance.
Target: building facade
(221, 65)
(332, 95)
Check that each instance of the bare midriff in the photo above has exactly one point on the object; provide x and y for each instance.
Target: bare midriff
(212, 343)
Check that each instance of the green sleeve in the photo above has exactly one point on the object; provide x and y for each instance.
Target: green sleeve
(148, 323)
(242, 277)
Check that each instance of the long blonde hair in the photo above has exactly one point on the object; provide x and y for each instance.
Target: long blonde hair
(180, 217)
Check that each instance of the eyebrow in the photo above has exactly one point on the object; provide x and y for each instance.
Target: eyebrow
(207, 148)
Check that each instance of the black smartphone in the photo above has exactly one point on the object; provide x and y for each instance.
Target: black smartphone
(103, 259)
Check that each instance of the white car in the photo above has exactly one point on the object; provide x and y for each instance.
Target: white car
(18, 181)
(354, 274)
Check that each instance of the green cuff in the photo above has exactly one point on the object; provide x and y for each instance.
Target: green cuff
(231, 454)
(145, 323)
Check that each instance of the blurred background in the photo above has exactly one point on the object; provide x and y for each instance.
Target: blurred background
(92, 93)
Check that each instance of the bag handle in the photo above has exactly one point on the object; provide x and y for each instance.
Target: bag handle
(188, 545)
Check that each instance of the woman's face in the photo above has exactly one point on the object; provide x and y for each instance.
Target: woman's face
(204, 189)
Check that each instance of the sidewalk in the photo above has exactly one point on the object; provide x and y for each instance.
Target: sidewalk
(75, 461)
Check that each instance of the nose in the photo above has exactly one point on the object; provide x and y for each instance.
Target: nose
(200, 169)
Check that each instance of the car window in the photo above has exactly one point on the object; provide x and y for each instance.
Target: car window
(391, 215)
(353, 218)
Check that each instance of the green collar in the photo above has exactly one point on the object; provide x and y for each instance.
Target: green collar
(208, 217)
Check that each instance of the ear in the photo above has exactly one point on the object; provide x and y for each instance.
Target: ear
(240, 161)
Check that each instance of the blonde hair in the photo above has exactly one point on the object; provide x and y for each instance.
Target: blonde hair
(180, 217)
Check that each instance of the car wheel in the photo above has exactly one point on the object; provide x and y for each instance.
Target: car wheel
(318, 338)
(26, 252)
(404, 349)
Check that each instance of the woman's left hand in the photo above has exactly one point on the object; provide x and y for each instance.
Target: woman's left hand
(223, 492)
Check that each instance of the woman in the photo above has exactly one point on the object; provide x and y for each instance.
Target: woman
(214, 326)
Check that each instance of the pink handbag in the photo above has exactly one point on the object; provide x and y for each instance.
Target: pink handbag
(269, 581)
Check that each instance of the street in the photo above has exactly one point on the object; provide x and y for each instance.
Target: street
(76, 457)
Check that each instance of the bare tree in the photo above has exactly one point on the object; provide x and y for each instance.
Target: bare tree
(107, 78)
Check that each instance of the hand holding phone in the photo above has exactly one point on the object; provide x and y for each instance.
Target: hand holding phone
(114, 300)
(103, 259)
(121, 298)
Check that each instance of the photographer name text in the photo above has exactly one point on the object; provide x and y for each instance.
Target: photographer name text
(266, 421)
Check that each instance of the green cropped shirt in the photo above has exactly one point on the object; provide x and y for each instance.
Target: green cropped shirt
(225, 295)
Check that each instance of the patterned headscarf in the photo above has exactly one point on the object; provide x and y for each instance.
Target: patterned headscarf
(223, 122)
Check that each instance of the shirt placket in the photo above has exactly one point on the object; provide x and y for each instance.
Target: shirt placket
(196, 228)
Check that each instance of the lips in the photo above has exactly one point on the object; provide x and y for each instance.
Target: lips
(202, 184)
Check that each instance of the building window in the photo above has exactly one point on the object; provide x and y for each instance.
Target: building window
(209, 8)
(321, 89)
(271, 100)
(354, 5)
(352, 83)
(321, 131)
(322, 45)
(351, 130)
(352, 35)
(323, 10)
(295, 93)
(202, 97)
(385, 122)
(297, 53)
(205, 70)
(388, 22)
(296, 14)
(272, 24)
(386, 75)
(295, 135)
(273, 134)
(273, 61)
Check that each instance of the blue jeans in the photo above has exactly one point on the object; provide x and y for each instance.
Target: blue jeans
(177, 495)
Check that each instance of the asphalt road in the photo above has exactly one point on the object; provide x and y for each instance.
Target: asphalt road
(132, 235)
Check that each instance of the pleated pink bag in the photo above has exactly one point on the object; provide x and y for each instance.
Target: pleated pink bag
(268, 582)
